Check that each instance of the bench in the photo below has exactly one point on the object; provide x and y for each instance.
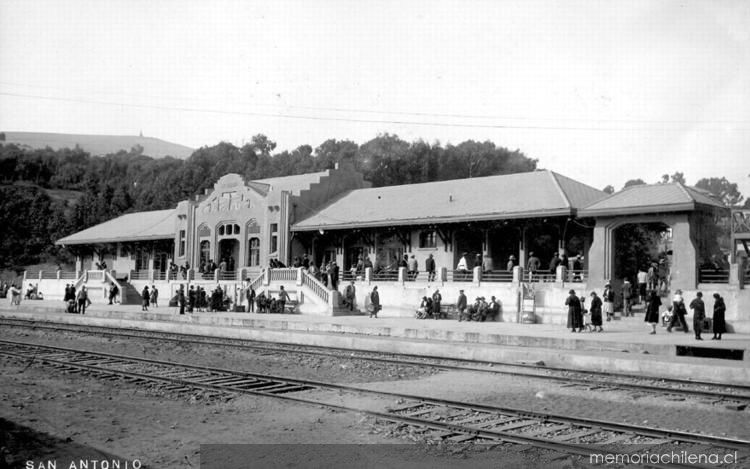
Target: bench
(447, 311)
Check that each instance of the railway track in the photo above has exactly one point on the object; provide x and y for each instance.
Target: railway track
(435, 419)
(670, 389)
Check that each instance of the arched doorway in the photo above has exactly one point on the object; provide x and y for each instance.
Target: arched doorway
(639, 246)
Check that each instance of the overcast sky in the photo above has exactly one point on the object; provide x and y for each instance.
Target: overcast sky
(601, 91)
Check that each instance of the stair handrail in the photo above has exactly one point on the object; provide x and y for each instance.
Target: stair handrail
(257, 282)
(316, 286)
(111, 278)
(81, 280)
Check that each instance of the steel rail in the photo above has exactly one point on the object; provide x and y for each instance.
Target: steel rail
(87, 356)
(663, 389)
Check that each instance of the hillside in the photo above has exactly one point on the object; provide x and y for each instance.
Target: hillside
(99, 144)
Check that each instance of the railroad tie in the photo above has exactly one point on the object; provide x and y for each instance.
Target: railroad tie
(512, 426)
(577, 435)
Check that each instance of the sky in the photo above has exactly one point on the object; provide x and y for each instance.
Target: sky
(600, 91)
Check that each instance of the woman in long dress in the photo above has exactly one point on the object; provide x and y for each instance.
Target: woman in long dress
(596, 312)
(720, 325)
(575, 315)
(652, 310)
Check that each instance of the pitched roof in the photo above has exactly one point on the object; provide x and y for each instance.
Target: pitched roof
(522, 195)
(293, 184)
(651, 198)
(139, 226)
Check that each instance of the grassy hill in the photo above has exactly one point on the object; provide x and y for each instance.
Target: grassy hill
(99, 144)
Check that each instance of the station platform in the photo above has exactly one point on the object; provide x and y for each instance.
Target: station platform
(625, 346)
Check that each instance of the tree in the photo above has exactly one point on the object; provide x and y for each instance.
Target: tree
(722, 189)
(634, 182)
(609, 189)
(676, 177)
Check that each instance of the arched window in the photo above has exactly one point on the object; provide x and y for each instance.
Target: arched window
(253, 259)
(221, 230)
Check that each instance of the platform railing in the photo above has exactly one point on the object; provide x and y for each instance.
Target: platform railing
(576, 275)
(713, 276)
(460, 276)
(139, 275)
(497, 276)
(68, 275)
(227, 275)
(160, 275)
(284, 274)
(385, 276)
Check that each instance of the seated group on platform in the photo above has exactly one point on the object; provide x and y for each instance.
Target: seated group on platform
(430, 307)
(481, 311)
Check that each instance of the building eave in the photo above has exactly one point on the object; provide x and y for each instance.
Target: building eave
(437, 220)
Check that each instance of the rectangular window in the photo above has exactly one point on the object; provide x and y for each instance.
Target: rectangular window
(427, 239)
(182, 244)
(274, 245)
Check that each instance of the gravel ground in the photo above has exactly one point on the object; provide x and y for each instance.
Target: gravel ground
(70, 415)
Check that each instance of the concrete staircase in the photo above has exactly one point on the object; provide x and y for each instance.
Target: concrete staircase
(129, 295)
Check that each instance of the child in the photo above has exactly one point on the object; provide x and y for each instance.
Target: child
(586, 315)
(666, 316)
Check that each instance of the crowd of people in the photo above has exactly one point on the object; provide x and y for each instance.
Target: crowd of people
(195, 299)
(12, 292)
(76, 302)
(580, 319)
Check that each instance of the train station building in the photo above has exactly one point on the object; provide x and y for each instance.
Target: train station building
(243, 226)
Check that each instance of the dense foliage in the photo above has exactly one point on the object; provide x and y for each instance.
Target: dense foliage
(34, 214)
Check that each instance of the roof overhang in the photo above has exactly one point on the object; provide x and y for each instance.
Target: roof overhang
(664, 208)
(559, 212)
(64, 242)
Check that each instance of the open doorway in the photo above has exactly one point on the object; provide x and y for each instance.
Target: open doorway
(229, 251)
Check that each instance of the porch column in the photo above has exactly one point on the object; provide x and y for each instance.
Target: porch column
(684, 258)
(487, 262)
(601, 256)
(522, 260)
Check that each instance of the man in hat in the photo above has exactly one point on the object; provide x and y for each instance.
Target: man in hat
(461, 305)
(429, 267)
(608, 300)
(533, 264)
(493, 309)
(699, 314)
(350, 295)
(374, 302)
